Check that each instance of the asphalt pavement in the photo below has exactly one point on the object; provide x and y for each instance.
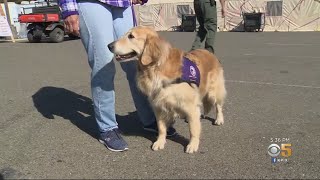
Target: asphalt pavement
(47, 128)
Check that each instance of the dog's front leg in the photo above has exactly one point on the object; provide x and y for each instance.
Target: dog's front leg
(162, 134)
(195, 130)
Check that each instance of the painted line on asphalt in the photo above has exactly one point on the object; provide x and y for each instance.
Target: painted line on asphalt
(273, 84)
(301, 57)
(285, 44)
(9, 46)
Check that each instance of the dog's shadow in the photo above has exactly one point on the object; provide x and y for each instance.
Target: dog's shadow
(78, 109)
(211, 119)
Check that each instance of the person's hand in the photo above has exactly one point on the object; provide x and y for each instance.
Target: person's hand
(223, 12)
(137, 2)
(72, 25)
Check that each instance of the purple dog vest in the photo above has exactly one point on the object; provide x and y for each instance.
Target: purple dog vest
(190, 72)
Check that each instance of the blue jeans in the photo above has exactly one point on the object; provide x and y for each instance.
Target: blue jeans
(101, 24)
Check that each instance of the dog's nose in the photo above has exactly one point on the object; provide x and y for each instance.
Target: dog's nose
(111, 46)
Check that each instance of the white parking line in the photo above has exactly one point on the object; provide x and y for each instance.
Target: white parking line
(273, 84)
(310, 57)
(9, 46)
(280, 44)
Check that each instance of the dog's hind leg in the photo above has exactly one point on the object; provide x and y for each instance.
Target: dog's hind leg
(195, 130)
(207, 104)
(211, 101)
(220, 119)
(219, 100)
(215, 97)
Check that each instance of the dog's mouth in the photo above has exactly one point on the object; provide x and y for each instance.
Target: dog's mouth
(126, 56)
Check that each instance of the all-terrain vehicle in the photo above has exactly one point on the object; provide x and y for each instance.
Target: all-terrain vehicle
(43, 22)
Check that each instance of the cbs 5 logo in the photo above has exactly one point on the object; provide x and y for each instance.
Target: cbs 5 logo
(274, 150)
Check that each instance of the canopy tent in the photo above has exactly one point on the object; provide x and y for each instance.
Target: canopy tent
(280, 15)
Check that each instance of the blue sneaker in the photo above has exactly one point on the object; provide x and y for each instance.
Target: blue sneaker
(113, 140)
(154, 128)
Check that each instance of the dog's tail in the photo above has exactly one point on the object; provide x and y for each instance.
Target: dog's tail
(216, 93)
(221, 91)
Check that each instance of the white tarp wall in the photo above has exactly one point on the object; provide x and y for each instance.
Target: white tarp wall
(281, 15)
(163, 15)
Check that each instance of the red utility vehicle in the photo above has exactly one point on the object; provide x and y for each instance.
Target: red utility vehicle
(44, 21)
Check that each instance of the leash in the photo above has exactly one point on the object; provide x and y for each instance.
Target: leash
(134, 17)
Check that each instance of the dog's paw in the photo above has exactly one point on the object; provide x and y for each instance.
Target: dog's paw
(192, 147)
(158, 145)
(219, 121)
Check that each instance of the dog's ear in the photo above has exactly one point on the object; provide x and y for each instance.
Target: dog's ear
(152, 50)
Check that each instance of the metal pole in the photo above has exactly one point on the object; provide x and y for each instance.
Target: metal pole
(6, 8)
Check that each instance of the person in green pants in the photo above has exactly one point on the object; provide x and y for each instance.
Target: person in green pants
(206, 13)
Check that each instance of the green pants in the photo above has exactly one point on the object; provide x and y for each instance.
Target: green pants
(206, 12)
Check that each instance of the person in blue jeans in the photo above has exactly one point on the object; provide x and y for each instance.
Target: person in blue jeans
(98, 23)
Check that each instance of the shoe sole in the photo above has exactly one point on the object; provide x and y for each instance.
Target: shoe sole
(114, 150)
(154, 131)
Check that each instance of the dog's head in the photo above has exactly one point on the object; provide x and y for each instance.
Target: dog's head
(140, 43)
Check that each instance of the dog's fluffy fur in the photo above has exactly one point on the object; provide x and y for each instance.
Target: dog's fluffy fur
(159, 65)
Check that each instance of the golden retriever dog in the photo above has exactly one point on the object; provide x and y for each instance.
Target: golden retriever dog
(160, 68)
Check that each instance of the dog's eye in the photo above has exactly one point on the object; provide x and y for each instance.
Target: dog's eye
(130, 36)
